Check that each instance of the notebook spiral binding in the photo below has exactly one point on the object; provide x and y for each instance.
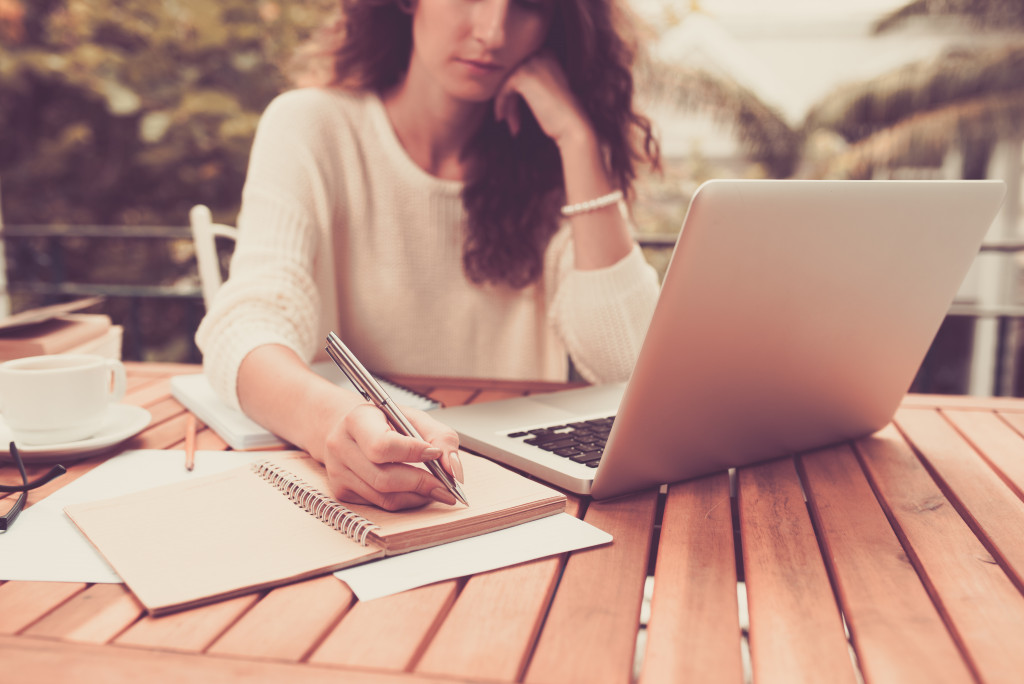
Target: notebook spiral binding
(321, 506)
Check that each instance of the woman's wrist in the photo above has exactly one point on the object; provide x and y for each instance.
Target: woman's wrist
(280, 392)
(579, 140)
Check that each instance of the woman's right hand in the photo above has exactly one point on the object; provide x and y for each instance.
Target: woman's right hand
(366, 460)
(369, 462)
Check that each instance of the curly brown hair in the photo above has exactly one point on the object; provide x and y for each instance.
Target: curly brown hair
(515, 186)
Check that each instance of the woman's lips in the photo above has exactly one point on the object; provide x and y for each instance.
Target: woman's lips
(481, 67)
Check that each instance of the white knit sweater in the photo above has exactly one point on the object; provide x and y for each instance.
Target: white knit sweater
(340, 230)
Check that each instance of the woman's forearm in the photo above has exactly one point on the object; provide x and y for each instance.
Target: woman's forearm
(279, 391)
(600, 237)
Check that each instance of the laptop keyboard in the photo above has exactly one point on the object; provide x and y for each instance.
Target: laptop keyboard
(582, 442)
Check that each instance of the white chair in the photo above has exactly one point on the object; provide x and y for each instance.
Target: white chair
(204, 239)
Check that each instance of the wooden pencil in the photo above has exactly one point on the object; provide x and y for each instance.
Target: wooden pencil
(190, 441)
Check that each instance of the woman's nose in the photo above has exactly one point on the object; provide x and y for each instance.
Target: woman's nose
(489, 22)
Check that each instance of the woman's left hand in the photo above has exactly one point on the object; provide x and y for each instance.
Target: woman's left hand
(541, 83)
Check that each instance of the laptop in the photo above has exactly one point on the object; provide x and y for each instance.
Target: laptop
(793, 315)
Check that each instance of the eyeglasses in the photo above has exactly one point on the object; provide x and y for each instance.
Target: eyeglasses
(8, 518)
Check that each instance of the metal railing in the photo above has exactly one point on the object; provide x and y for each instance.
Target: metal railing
(57, 285)
(46, 278)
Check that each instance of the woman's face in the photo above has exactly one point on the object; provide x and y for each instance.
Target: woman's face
(469, 47)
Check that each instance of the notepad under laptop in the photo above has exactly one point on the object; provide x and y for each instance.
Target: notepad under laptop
(794, 314)
(241, 432)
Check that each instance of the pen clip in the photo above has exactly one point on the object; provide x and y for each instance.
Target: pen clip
(352, 378)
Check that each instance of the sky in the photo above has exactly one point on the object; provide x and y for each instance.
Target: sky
(761, 12)
(792, 53)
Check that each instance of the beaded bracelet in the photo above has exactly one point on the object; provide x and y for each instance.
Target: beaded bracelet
(592, 204)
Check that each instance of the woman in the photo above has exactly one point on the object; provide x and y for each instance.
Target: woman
(412, 204)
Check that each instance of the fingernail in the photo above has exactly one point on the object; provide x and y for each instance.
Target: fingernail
(457, 466)
(432, 453)
(442, 495)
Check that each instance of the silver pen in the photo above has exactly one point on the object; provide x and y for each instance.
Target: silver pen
(371, 390)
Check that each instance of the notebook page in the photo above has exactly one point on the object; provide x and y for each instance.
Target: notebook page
(46, 545)
(192, 542)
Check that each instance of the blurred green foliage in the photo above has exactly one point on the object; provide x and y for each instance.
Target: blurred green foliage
(131, 111)
(128, 112)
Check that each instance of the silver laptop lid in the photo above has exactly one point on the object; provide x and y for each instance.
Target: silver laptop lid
(794, 314)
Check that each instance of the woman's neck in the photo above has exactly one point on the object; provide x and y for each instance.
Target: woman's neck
(434, 129)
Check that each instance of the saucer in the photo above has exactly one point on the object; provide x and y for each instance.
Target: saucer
(123, 421)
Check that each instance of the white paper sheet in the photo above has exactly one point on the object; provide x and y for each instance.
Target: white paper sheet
(43, 544)
(537, 539)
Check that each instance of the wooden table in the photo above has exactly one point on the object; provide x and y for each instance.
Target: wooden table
(912, 538)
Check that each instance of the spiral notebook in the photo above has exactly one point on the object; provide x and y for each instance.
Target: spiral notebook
(241, 432)
(210, 538)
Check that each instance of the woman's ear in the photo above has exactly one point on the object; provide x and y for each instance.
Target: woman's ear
(407, 6)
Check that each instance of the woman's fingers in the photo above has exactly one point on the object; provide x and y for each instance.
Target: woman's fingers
(370, 430)
(506, 108)
(368, 461)
(540, 84)
(349, 487)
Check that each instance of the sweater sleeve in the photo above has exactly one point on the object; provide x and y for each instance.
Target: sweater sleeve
(270, 296)
(601, 314)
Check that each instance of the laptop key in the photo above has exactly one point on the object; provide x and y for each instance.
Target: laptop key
(539, 440)
(587, 457)
(556, 445)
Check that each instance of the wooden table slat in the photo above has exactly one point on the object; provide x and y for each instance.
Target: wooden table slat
(208, 440)
(390, 632)
(160, 435)
(152, 392)
(1012, 404)
(191, 631)
(161, 369)
(997, 441)
(500, 607)
(586, 637)
(494, 395)
(994, 511)
(796, 632)
(46, 661)
(23, 603)
(95, 615)
(421, 383)
(979, 603)
(693, 634)
(1014, 420)
(164, 410)
(288, 622)
(503, 606)
(453, 396)
(909, 642)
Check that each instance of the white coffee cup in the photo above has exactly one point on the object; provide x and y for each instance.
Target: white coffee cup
(58, 398)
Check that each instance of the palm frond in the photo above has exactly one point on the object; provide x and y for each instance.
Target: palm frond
(861, 109)
(984, 14)
(925, 137)
(762, 132)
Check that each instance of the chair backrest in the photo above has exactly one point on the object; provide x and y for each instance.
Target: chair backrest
(204, 234)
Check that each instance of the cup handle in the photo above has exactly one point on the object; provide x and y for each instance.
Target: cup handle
(118, 380)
